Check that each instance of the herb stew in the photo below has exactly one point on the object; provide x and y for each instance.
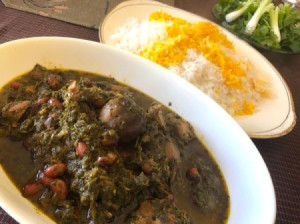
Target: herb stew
(87, 149)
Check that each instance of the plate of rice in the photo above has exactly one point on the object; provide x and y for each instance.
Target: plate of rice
(241, 80)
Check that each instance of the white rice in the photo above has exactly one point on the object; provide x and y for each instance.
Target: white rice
(135, 35)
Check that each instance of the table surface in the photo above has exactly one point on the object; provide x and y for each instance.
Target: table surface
(281, 155)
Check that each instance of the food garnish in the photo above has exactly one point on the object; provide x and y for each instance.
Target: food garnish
(199, 52)
(262, 22)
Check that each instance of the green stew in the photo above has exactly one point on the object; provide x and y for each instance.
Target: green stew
(85, 148)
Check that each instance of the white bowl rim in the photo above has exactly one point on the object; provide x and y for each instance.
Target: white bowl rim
(258, 170)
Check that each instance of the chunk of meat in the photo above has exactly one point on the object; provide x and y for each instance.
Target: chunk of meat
(173, 155)
(54, 82)
(180, 128)
(74, 87)
(14, 110)
(156, 112)
(37, 72)
(171, 150)
(125, 116)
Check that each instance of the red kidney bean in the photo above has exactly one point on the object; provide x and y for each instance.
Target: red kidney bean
(104, 161)
(59, 188)
(193, 174)
(15, 85)
(55, 102)
(170, 197)
(42, 99)
(107, 160)
(31, 189)
(81, 149)
(43, 179)
(147, 168)
(55, 170)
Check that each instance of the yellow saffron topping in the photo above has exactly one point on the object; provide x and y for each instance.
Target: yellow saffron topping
(248, 108)
(204, 37)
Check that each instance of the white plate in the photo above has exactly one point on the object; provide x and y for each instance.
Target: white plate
(274, 117)
(252, 195)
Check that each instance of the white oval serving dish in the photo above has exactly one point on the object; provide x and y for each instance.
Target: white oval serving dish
(252, 196)
(274, 117)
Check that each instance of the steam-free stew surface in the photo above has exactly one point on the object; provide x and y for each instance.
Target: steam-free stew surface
(87, 149)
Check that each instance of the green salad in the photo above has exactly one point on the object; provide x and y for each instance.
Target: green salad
(262, 22)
